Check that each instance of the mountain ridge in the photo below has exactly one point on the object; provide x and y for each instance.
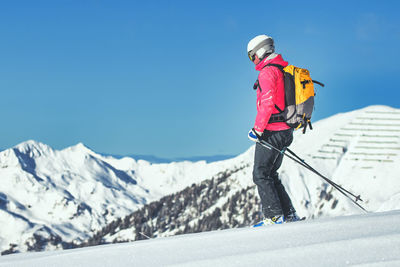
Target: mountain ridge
(39, 146)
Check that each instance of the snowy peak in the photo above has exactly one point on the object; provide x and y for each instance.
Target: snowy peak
(33, 149)
(24, 154)
(80, 148)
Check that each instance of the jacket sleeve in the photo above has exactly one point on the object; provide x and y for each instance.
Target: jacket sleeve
(266, 98)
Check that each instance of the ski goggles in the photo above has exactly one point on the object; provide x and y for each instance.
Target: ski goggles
(251, 55)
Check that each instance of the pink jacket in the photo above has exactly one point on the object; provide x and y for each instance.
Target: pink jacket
(272, 92)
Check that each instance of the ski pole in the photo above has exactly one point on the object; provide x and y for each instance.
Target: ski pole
(304, 164)
(316, 172)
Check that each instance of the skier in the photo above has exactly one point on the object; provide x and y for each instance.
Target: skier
(276, 204)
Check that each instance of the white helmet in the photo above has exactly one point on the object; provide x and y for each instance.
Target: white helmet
(260, 45)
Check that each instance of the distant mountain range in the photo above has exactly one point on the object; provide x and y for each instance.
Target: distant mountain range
(51, 199)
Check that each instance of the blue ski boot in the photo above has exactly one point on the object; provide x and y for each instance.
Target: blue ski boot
(279, 219)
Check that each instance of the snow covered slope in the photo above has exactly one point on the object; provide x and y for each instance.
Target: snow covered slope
(363, 240)
(359, 150)
(50, 198)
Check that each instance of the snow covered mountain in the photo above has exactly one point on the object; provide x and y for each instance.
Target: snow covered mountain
(51, 198)
(57, 199)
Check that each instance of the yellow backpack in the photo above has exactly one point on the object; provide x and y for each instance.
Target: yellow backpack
(299, 97)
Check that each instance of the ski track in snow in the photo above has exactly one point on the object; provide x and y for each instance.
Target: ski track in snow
(358, 240)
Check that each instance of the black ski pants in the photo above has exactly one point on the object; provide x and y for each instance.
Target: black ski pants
(274, 198)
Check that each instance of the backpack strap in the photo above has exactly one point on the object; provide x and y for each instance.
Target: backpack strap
(317, 82)
(280, 67)
(257, 83)
(277, 117)
(280, 110)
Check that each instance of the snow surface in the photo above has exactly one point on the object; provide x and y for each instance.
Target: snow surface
(358, 240)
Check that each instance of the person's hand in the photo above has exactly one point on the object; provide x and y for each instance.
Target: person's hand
(254, 135)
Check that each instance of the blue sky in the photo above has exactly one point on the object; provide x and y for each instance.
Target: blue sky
(172, 78)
